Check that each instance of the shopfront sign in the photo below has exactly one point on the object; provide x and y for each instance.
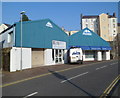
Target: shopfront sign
(76, 53)
(49, 25)
(87, 32)
(58, 44)
(106, 48)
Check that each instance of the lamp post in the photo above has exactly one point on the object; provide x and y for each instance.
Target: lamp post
(21, 13)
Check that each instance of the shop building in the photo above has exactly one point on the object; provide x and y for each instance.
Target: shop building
(43, 43)
(93, 46)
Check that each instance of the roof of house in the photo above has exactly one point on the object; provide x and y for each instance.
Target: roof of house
(8, 25)
(88, 40)
(110, 16)
(39, 33)
(94, 16)
(97, 16)
(7, 29)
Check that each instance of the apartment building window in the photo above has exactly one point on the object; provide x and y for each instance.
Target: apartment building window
(97, 31)
(103, 19)
(86, 25)
(97, 25)
(104, 27)
(91, 20)
(113, 25)
(91, 25)
(113, 20)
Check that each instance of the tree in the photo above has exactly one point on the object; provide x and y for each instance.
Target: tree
(25, 18)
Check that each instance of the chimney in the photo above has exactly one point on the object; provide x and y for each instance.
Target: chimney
(114, 14)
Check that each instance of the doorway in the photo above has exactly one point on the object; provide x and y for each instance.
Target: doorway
(58, 56)
(37, 57)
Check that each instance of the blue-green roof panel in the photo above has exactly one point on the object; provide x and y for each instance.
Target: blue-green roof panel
(86, 37)
(37, 35)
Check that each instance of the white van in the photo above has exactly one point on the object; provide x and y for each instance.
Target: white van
(75, 55)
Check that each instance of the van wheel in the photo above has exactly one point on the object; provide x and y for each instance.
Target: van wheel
(81, 62)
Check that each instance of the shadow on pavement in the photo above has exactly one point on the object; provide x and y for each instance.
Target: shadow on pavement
(64, 78)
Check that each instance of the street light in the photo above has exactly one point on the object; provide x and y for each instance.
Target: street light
(21, 13)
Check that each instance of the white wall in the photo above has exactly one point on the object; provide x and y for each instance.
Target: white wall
(15, 58)
(3, 27)
(4, 36)
(99, 55)
(107, 55)
(84, 56)
(65, 57)
(48, 57)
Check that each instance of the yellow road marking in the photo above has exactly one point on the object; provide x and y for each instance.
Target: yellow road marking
(113, 85)
(38, 76)
(110, 87)
(25, 80)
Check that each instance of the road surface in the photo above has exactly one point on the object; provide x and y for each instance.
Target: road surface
(90, 80)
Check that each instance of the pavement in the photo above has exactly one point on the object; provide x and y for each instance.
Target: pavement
(8, 77)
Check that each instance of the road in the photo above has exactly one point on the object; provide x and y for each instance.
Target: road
(90, 80)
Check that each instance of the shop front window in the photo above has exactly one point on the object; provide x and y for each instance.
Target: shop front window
(60, 53)
(56, 60)
(56, 54)
(89, 54)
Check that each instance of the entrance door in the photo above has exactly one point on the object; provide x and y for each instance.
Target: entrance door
(59, 53)
(37, 57)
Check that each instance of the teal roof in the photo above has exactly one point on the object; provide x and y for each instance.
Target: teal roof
(39, 34)
(87, 38)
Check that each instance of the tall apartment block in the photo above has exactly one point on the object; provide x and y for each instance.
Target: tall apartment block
(104, 25)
